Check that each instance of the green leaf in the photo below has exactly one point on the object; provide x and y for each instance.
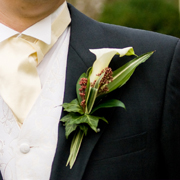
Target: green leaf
(88, 72)
(102, 118)
(69, 128)
(87, 90)
(66, 118)
(83, 128)
(74, 149)
(72, 120)
(122, 74)
(73, 106)
(108, 104)
(69, 125)
(78, 86)
(92, 121)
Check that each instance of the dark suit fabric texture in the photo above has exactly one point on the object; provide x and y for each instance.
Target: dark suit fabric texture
(143, 141)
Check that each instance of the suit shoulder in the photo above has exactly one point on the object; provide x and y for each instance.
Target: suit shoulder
(118, 30)
(92, 34)
(116, 33)
(139, 37)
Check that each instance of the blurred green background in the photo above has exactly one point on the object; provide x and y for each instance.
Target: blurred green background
(154, 15)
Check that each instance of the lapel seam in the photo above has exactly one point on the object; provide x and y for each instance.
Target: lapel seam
(78, 55)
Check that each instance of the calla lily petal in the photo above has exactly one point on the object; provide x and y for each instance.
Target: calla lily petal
(104, 57)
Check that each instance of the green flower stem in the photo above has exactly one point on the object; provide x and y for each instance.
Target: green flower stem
(74, 149)
(92, 97)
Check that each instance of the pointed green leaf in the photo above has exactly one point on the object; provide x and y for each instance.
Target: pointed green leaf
(102, 118)
(69, 126)
(75, 119)
(74, 149)
(108, 104)
(66, 118)
(73, 106)
(122, 74)
(69, 129)
(92, 121)
(88, 88)
(88, 72)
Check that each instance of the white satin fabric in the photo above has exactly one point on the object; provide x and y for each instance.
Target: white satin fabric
(27, 153)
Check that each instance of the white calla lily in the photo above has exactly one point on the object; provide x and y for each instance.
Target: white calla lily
(81, 110)
(104, 57)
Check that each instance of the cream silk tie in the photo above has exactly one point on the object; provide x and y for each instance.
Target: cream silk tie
(19, 81)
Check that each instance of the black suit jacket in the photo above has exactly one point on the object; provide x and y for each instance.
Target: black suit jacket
(142, 142)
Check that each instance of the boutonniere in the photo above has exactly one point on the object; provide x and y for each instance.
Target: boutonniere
(91, 87)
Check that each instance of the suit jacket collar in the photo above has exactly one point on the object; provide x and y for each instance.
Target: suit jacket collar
(85, 34)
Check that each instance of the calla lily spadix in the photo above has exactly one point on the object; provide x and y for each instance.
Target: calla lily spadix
(104, 57)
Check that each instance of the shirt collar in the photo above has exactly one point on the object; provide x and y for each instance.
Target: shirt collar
(41, 30)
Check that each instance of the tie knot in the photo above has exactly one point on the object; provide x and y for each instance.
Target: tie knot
(36, 54)
(31, 42)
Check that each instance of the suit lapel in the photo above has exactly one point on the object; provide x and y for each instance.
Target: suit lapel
(59, 169)
(79, 60)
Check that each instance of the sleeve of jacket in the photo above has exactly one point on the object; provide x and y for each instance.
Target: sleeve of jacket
(170, 135)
